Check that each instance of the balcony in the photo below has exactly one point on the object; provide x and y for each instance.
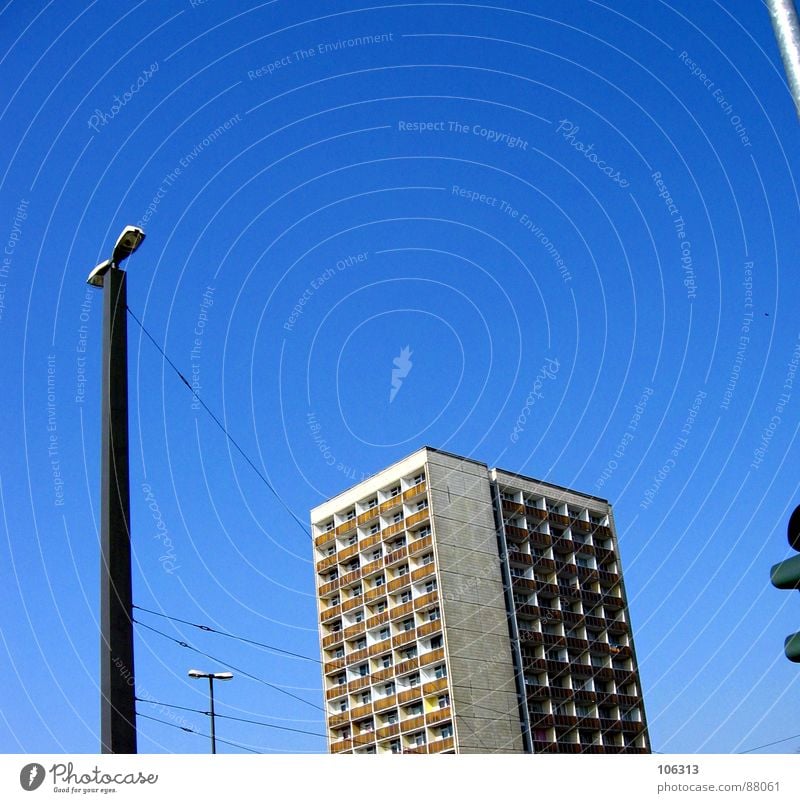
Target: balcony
(346, 527)
(539, 721)
(530, 636)
(547, 590)
(328, 588)
(325, 563)
(420, 545)
(392, 530)
(355, 657)
(380, 647)
(426, 599)
(610, 725)
(391, 504)
(398, 583)
(423, 572)
(378, 619)
(355, 630)
(600, 532)
(565, 720)
(591, 598)
(516, 534)
(407, 666)
(415, 491)
(543, 565)
(554, 640)
(388, 731)
(577, 643)
(608, 579)
(401, 610)
(617, 626)
(627, 700)
(585, 550)
(563, 545)
(582, 670)
(603, 555)
(334, 666)
(361, 711)
(632, 726)
(336, 691)
(624, 676)
(382, 674)
(582, 526)
(434, 686)
(535, 513)
(375, 593)
(330, 613)
(617, 603)
(324, 539)
(542, 540)
(524, 583)
(385, 703)
(367, 516)
(409, 695)
(585, 696)
(551, 614)
(537, 664)
(528, 611)
(513, 508)
(558, 519)
(369, 541)
(332, 640)
(372, 567)
(440, 715)
(334, 720)
(431, 657)
(396, 555)
(545, 747)
(594, 622)
(556, 668)
(537, 692)
(347, 554)
(429, 628)
(353, 602)
(358, 684)
(567, 569)
(419, 516)
(404, 638)
(412, 724)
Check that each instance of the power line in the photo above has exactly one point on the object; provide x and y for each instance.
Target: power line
(196, 733)
(237, 719)
(208, 629)
(219, 424)
(762, 746)
(231, 666)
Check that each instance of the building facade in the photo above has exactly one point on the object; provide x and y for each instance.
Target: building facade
(464, 609)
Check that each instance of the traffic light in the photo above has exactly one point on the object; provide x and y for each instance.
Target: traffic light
(786, 575)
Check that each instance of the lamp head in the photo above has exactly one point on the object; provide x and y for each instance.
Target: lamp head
(223, 676)
(130, 239)
(96, 276)
(196, 673)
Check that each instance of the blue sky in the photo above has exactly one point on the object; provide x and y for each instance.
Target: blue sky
(605, 186)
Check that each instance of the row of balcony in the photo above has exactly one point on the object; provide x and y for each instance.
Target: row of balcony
(569, 722)
(576, 747)
(404, 697)
(536, 694)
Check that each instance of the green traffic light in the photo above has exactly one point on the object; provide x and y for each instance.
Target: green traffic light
(786, 574)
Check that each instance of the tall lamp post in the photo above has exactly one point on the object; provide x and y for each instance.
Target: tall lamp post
(117, 684)
(212, 676)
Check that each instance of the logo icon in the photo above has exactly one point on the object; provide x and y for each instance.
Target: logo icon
(403, 366)
(31, 777)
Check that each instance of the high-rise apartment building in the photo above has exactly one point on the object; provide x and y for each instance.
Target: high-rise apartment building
(464, 609)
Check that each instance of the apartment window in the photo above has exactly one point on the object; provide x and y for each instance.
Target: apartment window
(437, 642)
(398, 543)
(341, 679)
(330, 551)
(415, 710)
(433, 614)
(352, 540)
(374, 528)
(361, 644)
(413, 680)
(427, 559)
(328, 526)
(443, 701)
(540, 735)
(419, 738)
(386, 661)
(440, 671)
(446, 731)
(398, 517)
(419, 479)
(407, 624)
(595, 519)
(353, 565)
(383, 633)
(508, 497)
(336, 626)
(359, 616)
(339, 652)
(376, 555)
(333, 575)
(379, 581)
(343, 704)
(422, 504)
(351, 514)
(391, 717)
(394, 746)
(363, 670)
(423, 531)
(394, 491)
(356, 591)
(430, 586)
(410, 653)
(517, 572)
(380, 607)
(582, 711)
(405, 597)
(388, 690)
(334, 601)
(583, 562)
(402, 570)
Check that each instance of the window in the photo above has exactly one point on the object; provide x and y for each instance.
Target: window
(343, 704)
(341, 679)
(433, 614)
(415, 710)
(440, 671)
(388, 690)
(333, 575)
(391, 717)
(437, 642)
(334, 601)
(540, 735)
(405, 597)
(407, 624)
(410, 653)
(339, 652)
(331, 550)
(386, 661)
(383, 633)
(427, 559)
(413, 680)
(402, 570)
(379, 581)
(394, 746)
(336, 626)
(374, 529)
(423, 531)
(443, 701)
(430, 586)
(366, 697)
(363, 670)
(328, 526)
(446, 731)
(356, 591)
(398, 517)
(376, 555)
(353, 565)
(394, 491)
(380, 607)
(419, 479)
(422, 504)
(358, 616)
(352, 540)
(419, 738)
(361, 644)
(351, 514)
(398, 543)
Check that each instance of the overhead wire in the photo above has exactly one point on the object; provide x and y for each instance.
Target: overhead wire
(197, 733)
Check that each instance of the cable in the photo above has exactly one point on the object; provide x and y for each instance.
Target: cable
(226, 716)
(762, 746)
(220, 424)
(197, 733)
(208, 629)
(225, 663)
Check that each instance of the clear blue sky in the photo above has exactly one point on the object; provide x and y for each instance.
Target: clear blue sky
(609, 185)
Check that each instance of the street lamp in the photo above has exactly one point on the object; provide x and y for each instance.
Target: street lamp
(117, 679)
(212, 676)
